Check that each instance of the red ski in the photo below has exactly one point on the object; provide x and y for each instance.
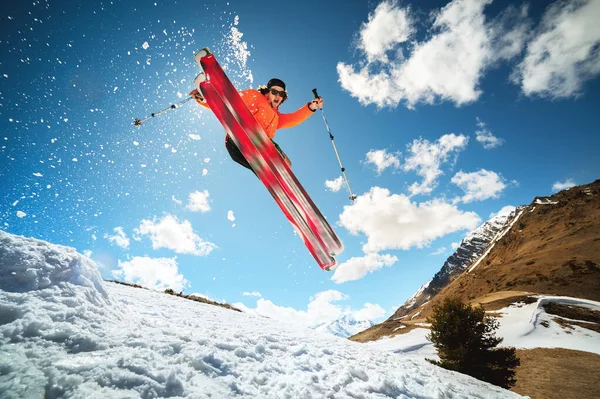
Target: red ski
(268, 164)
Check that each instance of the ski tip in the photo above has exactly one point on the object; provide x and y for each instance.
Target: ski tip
(332, 267)
(199, 79)
(202, 53)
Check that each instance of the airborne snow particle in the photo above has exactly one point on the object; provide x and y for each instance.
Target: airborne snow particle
(204, 172)
(145, 46)
(21, 215)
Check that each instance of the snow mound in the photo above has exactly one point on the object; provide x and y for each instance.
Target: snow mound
(27, 264)
(51, 297)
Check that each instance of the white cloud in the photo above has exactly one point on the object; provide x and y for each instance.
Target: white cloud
(357, 267)
(387, 26)
(447, 66)
(480, 185)
(179, 237)
(455, 245)
(120, 238)
(439, 251)
(485, 136)
(198, 201)
(254, 293)
(230, 216)
(322, 308)
(505, 211)
(369, 312)
(392, 221)
(559, 186)
(564, 52)
(382, 160)
(335, 185)
(426, 159)
(152, 273)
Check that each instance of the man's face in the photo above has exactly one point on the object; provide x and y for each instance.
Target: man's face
(275, 99)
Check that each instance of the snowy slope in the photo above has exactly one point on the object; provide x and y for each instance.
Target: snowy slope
(66, 333)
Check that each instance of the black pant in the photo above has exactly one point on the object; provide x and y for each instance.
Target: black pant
(235, 153)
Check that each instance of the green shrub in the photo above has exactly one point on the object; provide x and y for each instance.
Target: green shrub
(465, 340)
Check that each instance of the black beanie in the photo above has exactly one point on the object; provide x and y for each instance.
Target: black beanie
(275, 82)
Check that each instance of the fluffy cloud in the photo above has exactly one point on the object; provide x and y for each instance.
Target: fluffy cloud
(169, 233)
(480, 185)
(447, 66)
(198, 201)
(369, 312)
(382, 160)
(152, 273)
(564, 52)
(120, 238)
(335, 185)
(485, 137)
(322, 308)
(505, 211)
(388, 26)
(357, 267)
(426, 159)
(559, 186)
(392, 221)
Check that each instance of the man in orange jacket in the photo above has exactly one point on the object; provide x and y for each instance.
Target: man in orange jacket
(264, 105)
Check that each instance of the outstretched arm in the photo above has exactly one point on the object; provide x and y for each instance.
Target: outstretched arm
(299, 116)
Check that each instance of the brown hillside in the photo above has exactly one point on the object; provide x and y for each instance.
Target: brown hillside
(552, 248)
(558, 373)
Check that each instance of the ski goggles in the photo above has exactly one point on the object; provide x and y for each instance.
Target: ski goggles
(280, 93)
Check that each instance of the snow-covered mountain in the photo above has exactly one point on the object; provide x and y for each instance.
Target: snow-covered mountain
(64, 332)
(470, 248)
(344, 327)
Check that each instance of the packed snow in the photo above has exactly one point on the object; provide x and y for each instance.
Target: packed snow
(64, 332)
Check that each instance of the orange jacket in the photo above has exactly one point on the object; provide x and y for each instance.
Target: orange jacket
(267, 117)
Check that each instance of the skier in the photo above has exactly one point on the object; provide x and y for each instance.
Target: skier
(264, 104)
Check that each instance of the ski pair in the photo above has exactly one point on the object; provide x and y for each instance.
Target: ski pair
(266, 161)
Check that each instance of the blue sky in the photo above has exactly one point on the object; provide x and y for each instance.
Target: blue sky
(443, 113)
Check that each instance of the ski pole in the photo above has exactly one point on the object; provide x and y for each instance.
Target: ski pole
(352, 196)
(138, 122)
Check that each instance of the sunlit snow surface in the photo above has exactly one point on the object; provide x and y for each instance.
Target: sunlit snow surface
(66, 333)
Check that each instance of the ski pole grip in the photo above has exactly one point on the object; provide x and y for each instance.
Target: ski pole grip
(315, 93)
